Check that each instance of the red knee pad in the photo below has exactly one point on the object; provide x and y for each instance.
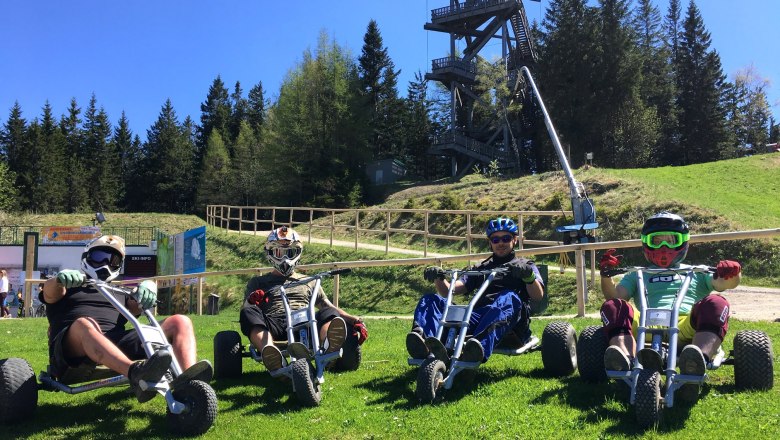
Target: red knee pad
(617, 316)
(711, 314)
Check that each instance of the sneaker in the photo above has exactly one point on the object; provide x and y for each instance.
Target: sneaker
(438, 349)
(472, 351)
(149, 370)
(615, 359)
(337, 334)
(299, 351)
(272, 357)
(202, 371)
(650, 360)
(415, 345)
(691, 363)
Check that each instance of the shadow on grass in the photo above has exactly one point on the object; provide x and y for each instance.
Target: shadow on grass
(108, 414)
(277, 394)
(609, 401)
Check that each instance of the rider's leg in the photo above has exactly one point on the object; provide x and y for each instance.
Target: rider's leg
(710, 319)
(180, 333)
(85, 339)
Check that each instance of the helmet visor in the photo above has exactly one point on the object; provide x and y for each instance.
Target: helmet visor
(280, 252)
(102, 257)
(655, 240)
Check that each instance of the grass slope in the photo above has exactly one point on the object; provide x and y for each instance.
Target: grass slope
(511, 397)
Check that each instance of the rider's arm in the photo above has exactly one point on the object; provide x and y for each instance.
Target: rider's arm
(443, 286)
(133, 306)
(53, 291)
(535, 291)
(612, 291)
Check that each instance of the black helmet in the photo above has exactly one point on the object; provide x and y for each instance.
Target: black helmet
(665, 239)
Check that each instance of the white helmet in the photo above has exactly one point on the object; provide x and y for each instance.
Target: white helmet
(283, 249)
(103, 257)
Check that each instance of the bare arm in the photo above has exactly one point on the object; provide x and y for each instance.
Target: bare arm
(443, 286)
(612, 291)
(535, 291)
(53, 291)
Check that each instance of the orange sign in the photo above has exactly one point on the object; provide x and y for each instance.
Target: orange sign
(69, 235)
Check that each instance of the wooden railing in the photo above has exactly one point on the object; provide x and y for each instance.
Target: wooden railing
(260, 218)
(578, 249)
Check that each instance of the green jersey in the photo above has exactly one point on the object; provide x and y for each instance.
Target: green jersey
(662, 288)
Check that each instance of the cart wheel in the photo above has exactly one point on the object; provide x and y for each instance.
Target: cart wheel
(430, 380)
(18, 390)
(200, 412)
(227, 354)
(305, 383)
(559, 348)
(351, 357)
(590, 354)
(648, 398)
(753, 367)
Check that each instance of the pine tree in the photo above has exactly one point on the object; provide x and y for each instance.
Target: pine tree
(101, 158)
(700, 84)
(13, 144)
(244, 184)
(419, 126)
(379, 81)
(656, 88)
(240, 111)
(168, 166)
(215, 175)
(129, 157)
(76, 182)
(256, 109)
(215, 113)
(752, 119)
(9, 195)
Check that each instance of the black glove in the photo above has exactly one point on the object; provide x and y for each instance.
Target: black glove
(432, 273)
(523, 270)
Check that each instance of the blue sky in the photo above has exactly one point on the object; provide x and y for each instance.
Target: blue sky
(133, 55)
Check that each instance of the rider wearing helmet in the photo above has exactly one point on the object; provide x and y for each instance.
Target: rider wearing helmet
(263, 317)
(504, 306)
(86, 329)
(704, 316)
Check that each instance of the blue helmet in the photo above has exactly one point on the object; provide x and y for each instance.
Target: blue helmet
(501, 224)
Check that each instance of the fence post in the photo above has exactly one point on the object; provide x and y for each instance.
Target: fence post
(468, 231)
(292, 214)
(593, 267)
(336, 286)
(357, 226)
(522, 230)
(387, 233)
(240, 223)
(579, 259)
(311, 222)
(332, 226)
(200, 295)
(425, 248)
(273, 218)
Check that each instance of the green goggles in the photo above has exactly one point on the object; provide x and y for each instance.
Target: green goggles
(655, 240)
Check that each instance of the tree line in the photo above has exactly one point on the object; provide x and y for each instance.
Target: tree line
(621, 81)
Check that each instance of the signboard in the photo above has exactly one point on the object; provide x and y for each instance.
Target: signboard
(195, 250)
(140, 266)
(69, 235)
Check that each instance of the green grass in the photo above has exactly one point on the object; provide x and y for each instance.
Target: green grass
(511, 397)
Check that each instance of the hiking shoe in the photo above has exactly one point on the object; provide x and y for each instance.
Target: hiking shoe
(650, 359)
(615, 359)
(272, 357)
(149, 370)
(472, 351)
(691, 363)
(415, 345)
(438, 349)
(202, 371)
(337, 334)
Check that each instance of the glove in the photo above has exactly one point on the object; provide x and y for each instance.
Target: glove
(609, 261)
(432, 273)
(523, 270)
(146, 294)
(70, 278)
(257, 297)
(727, 269)
(360, 331)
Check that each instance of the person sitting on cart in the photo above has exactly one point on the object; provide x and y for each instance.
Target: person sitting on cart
(263, 317)
(704, 317)
(504, 306)
(84, 327)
